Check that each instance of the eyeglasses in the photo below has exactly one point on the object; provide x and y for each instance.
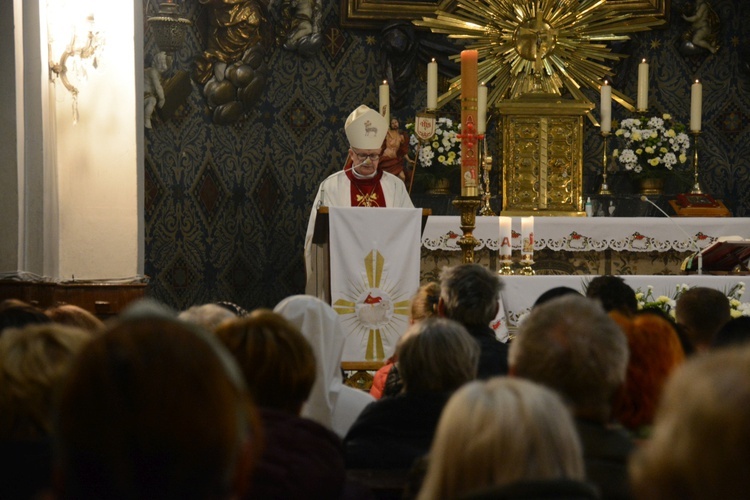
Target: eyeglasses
(363, 156)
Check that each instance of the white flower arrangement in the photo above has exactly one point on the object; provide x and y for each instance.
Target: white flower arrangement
(653, 146)
(442, 153)
(646, 300)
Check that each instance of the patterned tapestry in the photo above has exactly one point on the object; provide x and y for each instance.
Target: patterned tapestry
(227, 205)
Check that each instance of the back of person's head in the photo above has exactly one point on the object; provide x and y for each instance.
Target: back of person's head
(33, 363)
(17, 314)
(571, 345)
(655, 352)
(437, 355)
(702, 311)
(614, 294)
(207, 316)
(553, 293)
(72, 315)
(424, 304)
(469, 294)
(276, 360)
(700, 444)
(736, 331)
(499, 432)
(153, 408)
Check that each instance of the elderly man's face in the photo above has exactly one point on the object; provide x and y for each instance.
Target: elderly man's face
(364, 161)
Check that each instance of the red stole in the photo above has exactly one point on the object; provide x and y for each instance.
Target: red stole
(365, 192)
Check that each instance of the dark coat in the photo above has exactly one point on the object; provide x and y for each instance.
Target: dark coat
(393, 432)
(606, 450)
(493, 355)
(300, 459)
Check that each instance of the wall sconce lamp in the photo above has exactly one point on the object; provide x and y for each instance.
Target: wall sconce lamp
(168, 27)
(81, 54)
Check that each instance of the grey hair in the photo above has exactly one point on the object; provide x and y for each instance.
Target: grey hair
(470, 293)
(571, 345)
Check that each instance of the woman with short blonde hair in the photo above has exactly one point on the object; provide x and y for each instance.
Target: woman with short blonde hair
(499, 432)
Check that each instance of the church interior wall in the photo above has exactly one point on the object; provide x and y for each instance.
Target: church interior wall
(226, 206)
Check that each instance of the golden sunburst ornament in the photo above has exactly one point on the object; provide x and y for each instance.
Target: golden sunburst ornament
(539, 46)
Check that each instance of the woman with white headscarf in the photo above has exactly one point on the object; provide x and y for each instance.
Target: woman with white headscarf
(331, 403)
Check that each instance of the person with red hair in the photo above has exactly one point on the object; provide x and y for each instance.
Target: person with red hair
(655, 352)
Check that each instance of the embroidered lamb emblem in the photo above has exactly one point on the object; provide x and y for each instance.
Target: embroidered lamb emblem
(369, 128)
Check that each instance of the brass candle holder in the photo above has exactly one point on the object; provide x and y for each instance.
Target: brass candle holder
(696, 185)
(604, 189)
(467, 207)
(506, 264)
(485, 184)
(527, 260)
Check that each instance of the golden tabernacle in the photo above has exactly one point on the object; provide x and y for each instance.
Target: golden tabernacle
(542, 155)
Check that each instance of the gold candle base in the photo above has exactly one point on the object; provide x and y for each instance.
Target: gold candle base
(526, 269)
(505, 269)
(467, 207)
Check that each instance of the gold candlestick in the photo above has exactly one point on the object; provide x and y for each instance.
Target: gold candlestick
(604, 189)
(485, 184)
(696, 185)
(505, 266)
(526, 262)
(467, 206)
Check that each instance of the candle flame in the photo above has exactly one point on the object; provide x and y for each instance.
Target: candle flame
(644, 60)
(433, 59)
(385, 82)
(697, 81)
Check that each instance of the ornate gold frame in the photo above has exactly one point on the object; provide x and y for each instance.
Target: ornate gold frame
(375, 13)
(656, 8)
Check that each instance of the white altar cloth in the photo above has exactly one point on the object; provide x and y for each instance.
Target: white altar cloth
(520, 292)
(635, 234)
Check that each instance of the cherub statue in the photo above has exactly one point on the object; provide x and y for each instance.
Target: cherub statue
(704, 30)
(154, 92)
(299, 24)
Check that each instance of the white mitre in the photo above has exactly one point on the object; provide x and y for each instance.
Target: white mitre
(365, 128)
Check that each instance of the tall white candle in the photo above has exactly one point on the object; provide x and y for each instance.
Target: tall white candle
(481, 108)
(527, 236)
(432, 84)
(385, 105)
(696, 106)
(505, 245)
(642, 100)
(606, 108)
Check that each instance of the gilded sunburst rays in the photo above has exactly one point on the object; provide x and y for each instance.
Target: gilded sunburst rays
(544, 44)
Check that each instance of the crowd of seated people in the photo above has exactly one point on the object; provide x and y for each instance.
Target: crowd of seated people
(589, 400)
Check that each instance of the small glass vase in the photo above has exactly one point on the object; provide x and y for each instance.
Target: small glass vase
(651, 186)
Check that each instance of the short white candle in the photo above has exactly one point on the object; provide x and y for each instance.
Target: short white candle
(527, 235)
(432, 84)
(505, 245)
(642, 100)
(481, 109)
(385, 105)
(696, 106)
(606, 108)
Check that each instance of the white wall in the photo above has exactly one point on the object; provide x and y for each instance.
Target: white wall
(97, 159)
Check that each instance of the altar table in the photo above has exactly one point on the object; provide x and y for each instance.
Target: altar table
(583, 245)
(520, 292)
